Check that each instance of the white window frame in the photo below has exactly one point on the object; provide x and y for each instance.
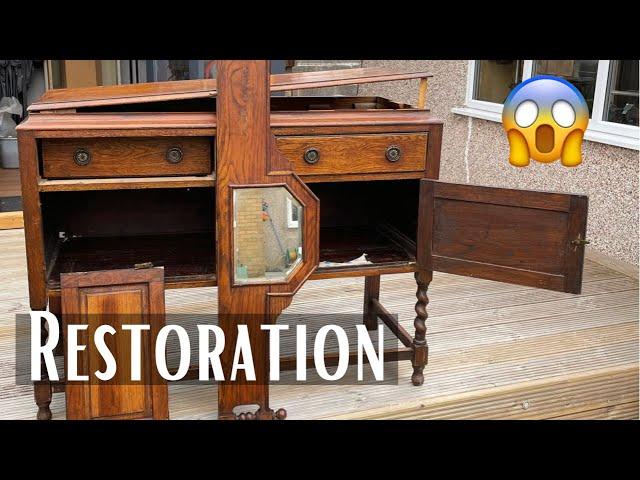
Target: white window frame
(291, 223)
(602, 131)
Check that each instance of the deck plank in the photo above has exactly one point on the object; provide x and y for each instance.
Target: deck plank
(496, 350)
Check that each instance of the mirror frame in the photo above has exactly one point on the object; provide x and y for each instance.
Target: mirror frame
(303, 236)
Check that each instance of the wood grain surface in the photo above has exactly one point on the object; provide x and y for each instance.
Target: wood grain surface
(513, 236)
(116, 298)
(354, 154)
(69, 98)
(125, 157)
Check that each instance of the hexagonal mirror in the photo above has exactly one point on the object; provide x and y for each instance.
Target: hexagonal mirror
(267, 234)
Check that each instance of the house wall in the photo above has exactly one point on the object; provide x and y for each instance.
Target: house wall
(476, 151)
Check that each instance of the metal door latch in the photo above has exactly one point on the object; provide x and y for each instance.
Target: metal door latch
(579, 242)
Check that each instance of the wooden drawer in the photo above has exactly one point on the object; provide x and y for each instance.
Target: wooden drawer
(126, 157)
(343, 154)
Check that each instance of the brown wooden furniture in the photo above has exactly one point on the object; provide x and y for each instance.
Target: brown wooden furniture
(115, 297)
(362, 170)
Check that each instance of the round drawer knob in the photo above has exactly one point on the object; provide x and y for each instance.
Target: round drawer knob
(311, 155)
(174, 155)
(393, 153)
(82, 157)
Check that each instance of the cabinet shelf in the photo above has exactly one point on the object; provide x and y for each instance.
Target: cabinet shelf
(383, 246)
(188, 258)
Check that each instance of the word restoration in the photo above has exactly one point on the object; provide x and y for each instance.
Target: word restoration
(208, 356)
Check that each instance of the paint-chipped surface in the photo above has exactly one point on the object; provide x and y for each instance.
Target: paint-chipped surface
(608, 174)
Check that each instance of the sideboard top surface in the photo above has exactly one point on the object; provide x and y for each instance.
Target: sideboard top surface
(208, 120)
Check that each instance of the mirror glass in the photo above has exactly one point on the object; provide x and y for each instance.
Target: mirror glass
(267, 234)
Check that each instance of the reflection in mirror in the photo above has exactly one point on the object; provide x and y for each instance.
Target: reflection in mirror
(267, 234)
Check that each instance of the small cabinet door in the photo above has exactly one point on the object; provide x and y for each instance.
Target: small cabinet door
(513, 236)
(115, 297)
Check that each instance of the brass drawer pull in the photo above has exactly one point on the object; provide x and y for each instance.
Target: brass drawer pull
(393, 153)
(311, 155)
(82, 157)
(174, 155)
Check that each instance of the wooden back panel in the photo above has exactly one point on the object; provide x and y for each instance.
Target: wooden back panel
(513, 236)
(116, 297)
(109, 212)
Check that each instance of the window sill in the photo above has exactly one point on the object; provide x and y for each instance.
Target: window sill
(477, 113)
(591, 134)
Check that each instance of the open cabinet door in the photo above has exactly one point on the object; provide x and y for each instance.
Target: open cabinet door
(513, 236)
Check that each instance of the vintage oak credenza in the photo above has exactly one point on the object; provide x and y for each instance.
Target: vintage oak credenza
(176, 174)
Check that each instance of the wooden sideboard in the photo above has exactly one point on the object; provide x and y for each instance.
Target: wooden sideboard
(117, 176)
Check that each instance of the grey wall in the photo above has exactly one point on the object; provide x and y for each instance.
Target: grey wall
(476, 151)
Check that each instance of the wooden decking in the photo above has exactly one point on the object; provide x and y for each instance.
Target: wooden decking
(496, 351)
(10, 187)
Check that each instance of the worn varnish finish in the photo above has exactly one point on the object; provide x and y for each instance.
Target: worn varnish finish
(515, 236)
(244, 150)
(126, 157)
(33, 232)
(115, 298)
(355, 154)
(64, 99)
(87, 184)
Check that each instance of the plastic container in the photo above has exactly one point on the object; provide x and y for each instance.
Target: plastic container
(9, 152)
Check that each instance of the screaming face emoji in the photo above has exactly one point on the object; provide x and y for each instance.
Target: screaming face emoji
(545, 118)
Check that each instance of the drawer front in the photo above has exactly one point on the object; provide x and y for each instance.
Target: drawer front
(126, 157)
(344, 154)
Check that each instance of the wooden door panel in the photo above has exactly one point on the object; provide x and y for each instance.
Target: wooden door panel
(117, 396)
(513, 236)
(116, 297)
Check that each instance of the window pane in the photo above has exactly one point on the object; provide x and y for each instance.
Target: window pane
(580, 73)
(494, 79)
(621, 103)
(168, 70)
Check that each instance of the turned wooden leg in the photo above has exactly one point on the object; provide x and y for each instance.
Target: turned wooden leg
(42, 390)
(260, 414)
(420, 348)
(233, 394)
(42, 393)
(55, 307)
(371, 291)
(263, 414)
